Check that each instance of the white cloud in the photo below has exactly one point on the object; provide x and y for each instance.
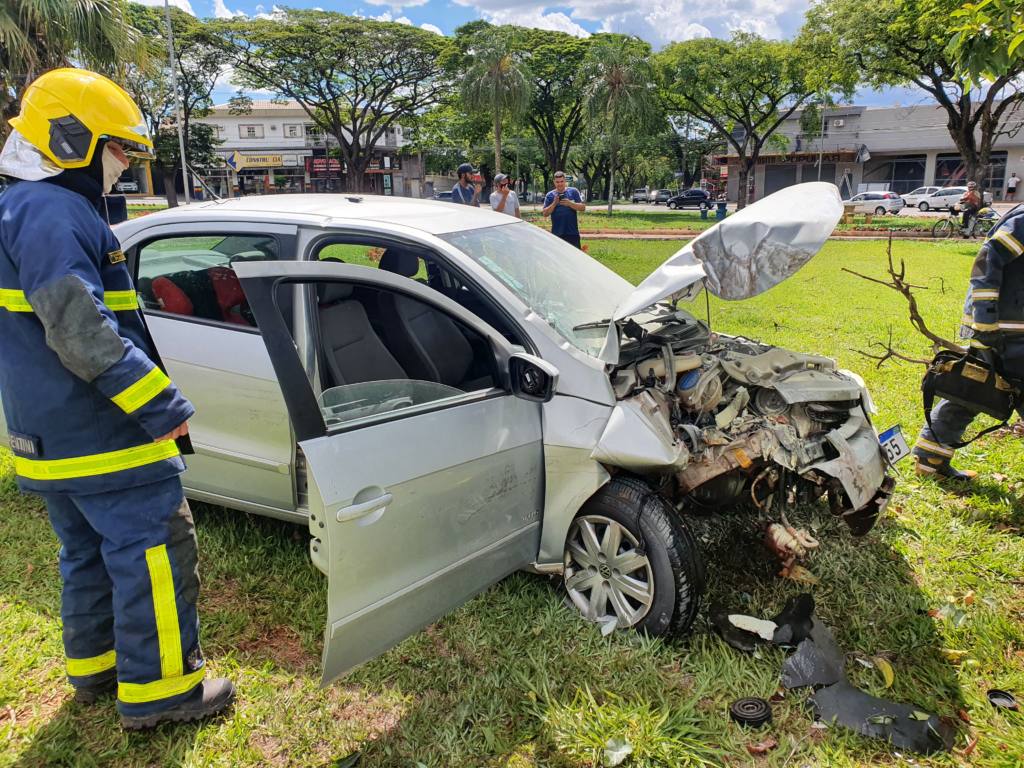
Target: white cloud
(658, 21)
(185, 5)
(397, 5)
(538, 19)
(276, 13)
(431, 28)
(221, 11)
(387, 16)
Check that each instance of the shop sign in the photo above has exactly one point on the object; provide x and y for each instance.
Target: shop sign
(238, 161)
(323, 164)
(289, 161)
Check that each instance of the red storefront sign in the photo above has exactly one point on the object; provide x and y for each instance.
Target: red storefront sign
(323, 165)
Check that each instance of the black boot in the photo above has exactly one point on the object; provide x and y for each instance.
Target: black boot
(101, 688)
(210, 698)
(944, 471)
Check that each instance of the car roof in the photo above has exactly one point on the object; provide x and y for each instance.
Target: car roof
(430, 216)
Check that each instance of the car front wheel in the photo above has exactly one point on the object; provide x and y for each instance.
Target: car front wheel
(922, 206)
(630, 561)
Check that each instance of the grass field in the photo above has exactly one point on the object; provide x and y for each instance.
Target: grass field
(595, 220)
(514, 679)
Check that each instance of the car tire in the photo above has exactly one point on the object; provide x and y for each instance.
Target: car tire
(922, 206)
(879, 211)
(671, 206)
(669, 575)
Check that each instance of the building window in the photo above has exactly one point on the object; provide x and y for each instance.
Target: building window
(899, 174)
(250, 131)
(950, 171)
(293, 131)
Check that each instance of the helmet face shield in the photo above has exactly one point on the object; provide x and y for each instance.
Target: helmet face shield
(133, 148)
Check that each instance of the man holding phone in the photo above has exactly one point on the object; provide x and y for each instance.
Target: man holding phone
(562, 204)
(503, 198)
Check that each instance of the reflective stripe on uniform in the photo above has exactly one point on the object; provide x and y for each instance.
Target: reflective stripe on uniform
(142, 693)
(91, 666)
(96, 464)
(142, 391)
(1008, 241)
(985, 294)
(931, 447)
(165, 610)
(978, 345)
(117, 301)
(985, 326)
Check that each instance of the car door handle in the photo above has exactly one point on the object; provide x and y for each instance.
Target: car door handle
(355, 511)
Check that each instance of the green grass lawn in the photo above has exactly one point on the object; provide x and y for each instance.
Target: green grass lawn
(514, 679)
(594, 220)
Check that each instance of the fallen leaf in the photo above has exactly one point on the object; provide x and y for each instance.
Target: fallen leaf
(966, 751)
(886, 669)
(29, 567)
(969, 598)
(800, 575)
(762, 747)
(616, 751)
(962, 714)
(919, 715)
(779, 696)
(762, 627)
(953, 654)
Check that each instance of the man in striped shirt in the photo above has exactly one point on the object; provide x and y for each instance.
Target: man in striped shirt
(993, 322)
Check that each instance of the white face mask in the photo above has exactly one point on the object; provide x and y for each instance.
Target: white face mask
(112, 169)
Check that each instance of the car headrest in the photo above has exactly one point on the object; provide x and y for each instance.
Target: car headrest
(331, 293)
(400, 262)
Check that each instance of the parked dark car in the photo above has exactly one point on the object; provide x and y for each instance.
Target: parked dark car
(661, 196)
(690, 198)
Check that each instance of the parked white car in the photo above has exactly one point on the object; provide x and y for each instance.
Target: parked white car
(947, 197)
(879, 203)
(919, 194)
(444, 395)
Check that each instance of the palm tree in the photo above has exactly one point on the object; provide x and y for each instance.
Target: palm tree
(37, 35)
(619, 90)
(498, 81)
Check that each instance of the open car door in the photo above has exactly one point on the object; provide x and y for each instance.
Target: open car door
(419, 497)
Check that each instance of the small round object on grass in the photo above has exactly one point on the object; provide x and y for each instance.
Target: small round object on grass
(751, 712)
(1002, 700)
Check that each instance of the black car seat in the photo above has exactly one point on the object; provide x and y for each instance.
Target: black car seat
(352, 349)
(427, 343)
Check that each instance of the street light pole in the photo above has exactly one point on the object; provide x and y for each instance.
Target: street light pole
(177, 101)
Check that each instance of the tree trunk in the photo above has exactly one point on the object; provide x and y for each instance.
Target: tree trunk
(170, 177)
(497, 143)
(611, 178)
(744, 182)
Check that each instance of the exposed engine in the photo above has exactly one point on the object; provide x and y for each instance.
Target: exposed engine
(728, 418)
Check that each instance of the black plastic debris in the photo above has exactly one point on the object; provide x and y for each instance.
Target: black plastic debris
(1002, 700)
(737, 638)
(751, 712)
(817, 661)
(901, 725)
(794, 621)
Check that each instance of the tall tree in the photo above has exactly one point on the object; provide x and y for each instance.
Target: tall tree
(496, 82)
(988, 38)
(744, 87)
(620, 90)
(355, 78)
(199, 67)
(37, 35)
(906, 43)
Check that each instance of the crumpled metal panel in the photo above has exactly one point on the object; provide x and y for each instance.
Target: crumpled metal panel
(638, 436)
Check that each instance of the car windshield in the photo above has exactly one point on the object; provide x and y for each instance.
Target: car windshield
(560, 283)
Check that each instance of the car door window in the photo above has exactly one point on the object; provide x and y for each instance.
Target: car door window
(384, 354)
(192, 275)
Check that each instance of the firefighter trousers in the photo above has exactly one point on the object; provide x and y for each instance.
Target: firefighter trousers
(129, 565)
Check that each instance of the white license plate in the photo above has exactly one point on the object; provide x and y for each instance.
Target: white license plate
(894, 445)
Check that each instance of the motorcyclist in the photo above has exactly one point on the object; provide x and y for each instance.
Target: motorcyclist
(993, 323)
(970, 204)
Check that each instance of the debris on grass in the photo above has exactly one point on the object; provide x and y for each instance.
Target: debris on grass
(794, 621)
(750, 712)
(883, 666)
(1002, 700)
(762, 627)
(762, 747)
(737, 638)
(616, 750)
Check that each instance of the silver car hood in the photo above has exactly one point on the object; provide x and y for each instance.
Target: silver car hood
(740, 256)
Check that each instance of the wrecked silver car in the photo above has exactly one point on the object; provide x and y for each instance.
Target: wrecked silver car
(445, 395)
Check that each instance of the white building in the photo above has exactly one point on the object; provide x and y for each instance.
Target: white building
(276, 147)
(895, 148)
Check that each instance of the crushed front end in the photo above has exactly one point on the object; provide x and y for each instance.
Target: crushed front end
(723, 419)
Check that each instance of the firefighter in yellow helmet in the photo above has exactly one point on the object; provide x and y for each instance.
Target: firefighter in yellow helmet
(96, 426)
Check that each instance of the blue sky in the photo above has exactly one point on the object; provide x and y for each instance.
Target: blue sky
(657, 21)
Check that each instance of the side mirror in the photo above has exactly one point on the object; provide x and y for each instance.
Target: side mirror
(532, 378)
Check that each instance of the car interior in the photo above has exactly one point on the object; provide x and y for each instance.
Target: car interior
(369, 334)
